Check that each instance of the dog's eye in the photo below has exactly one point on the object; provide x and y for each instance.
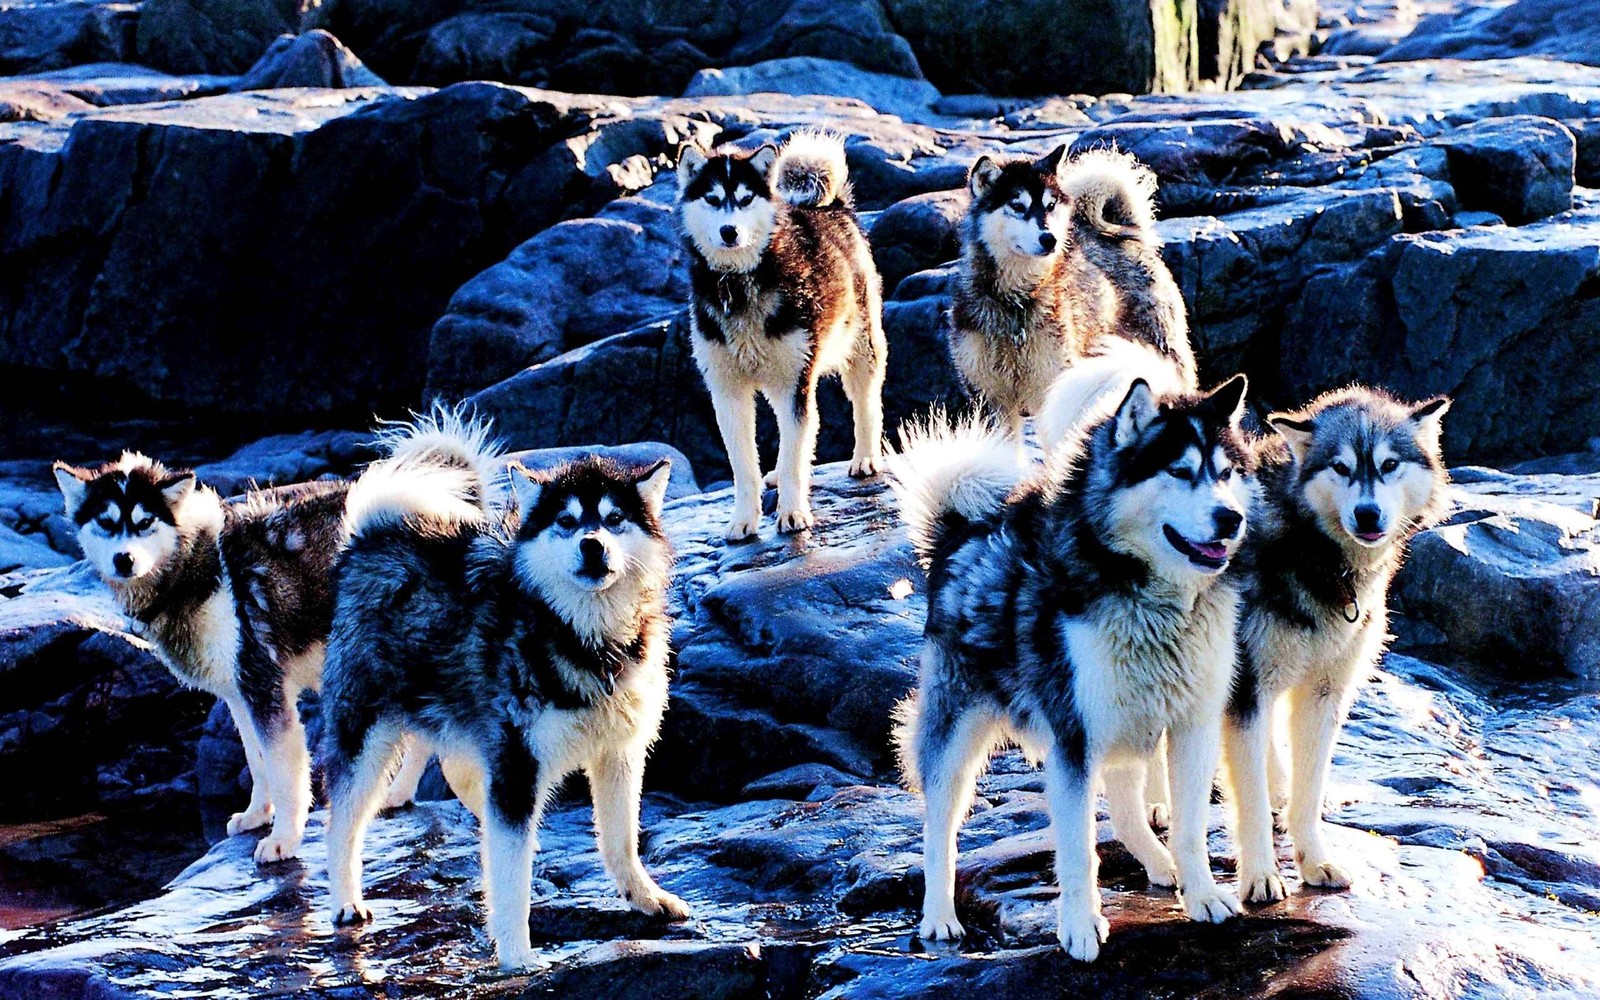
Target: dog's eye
(567, 521)
(1389, 465)
(1181, 472)
(142, 526)
(746, 200)
(1225, 474)
(614, 519)
(106, 524)
(1342, 469)
(713, 201)
(1049, 206)
(1019, 207)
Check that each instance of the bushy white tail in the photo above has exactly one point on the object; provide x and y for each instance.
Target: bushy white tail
(442, 469)
(1113, 192)
(810, 170)
(947, 473)
(1093, 385)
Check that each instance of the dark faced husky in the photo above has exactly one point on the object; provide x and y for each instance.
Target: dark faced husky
(235, 599)
(1058, 254)
(1346, 484)
(1080, 614)
(784, 291)
(520, 648)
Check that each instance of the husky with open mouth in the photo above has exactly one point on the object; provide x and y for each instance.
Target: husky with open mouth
(1344, 485)
(1080, 613)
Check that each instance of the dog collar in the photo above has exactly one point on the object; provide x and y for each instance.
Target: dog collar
(1351, 610)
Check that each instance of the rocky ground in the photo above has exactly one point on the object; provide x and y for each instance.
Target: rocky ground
(258, 237)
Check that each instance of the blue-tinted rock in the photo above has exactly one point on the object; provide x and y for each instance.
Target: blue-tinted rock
(1520, 168)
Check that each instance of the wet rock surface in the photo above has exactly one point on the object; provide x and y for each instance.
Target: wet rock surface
(1464, 800)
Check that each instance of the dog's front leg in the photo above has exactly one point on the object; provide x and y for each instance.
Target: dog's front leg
(735, 404)
(1069, 786)
(1192, 750)
(509, 842)
(1247, 742)
(616, 779)
(288, 772)
(1315, 714)
(797, 446)
(259, 812)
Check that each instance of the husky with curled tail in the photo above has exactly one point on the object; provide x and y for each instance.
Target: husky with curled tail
(1079, 613)
(783, 292)
(1345, 484)
(519, 645)
(236, 597)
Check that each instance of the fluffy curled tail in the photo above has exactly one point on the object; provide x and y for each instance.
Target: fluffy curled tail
(1113, 193)
(810, 170)
(441, 468)
(1094, 384)
(950, 474)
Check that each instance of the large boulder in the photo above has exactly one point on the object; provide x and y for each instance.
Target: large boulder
(1503, 319)
(212, 36)
(38, 35)
(1555, 29)
(918, 233)
(314, 59)
(1520, 168)
(894, 95)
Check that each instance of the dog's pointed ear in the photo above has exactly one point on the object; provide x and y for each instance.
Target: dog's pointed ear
(652, 484)
(690, 162)
(1054, 161)
(74, 483)
(1295, 428)
(1135, 414)
(525, 486)
(1427, 415)
(175, 489)
(983, 175)
(763, 158)
(1228, 398)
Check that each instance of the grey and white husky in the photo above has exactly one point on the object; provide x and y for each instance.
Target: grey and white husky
(235, 597)
(1344, 486)
(783, 292)
(1056, 255)
(520, 647)
(1081, 614)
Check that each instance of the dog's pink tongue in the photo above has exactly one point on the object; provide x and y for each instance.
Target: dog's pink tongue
(1212, 550)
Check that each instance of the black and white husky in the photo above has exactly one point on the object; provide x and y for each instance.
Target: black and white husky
(235, 597)
(1081, 614)
(784, 292)
(519, 647)
(1343, 487)
(1057, 254)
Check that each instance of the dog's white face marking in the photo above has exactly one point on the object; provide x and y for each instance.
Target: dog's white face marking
(1184, 499)
(730, 228)
(130, 550)
(1369, 498)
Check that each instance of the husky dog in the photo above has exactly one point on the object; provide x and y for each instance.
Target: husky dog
(784, 291)
(1080, 614)
(1344, 486)
(236, 599)
(520, 648)
(1058, 254)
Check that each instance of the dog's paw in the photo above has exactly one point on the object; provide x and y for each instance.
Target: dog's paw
(351, 914)
(770, 480)
(1210, 904)
(521, 959)
(1262, 886)
(658, 902)
(276, 847)
(1324, 872)
(1082, 933)
(1160, 816)
(1163, 874)
(250, 819)
(743, 526)
(866, 465)
(941, 927)
(397, 800)
(798, 519)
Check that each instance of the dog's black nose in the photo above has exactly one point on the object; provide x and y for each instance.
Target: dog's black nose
(1228, 521)
(1367, 517)
(730, 235)
(1047, 241)
(123, 563)
(593, 552)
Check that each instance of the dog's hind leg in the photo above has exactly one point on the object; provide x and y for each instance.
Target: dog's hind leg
(1130, 821)
(1247, 742)
(413, 762)
(288, 768)
(1277, 779)
(797, 447)
(1157, 790)
(863, 386)
(951, 747)
(616, 778)
(355, 790)
(1315, 714)
(1193, 747)
(259, 812)
(465, 777)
